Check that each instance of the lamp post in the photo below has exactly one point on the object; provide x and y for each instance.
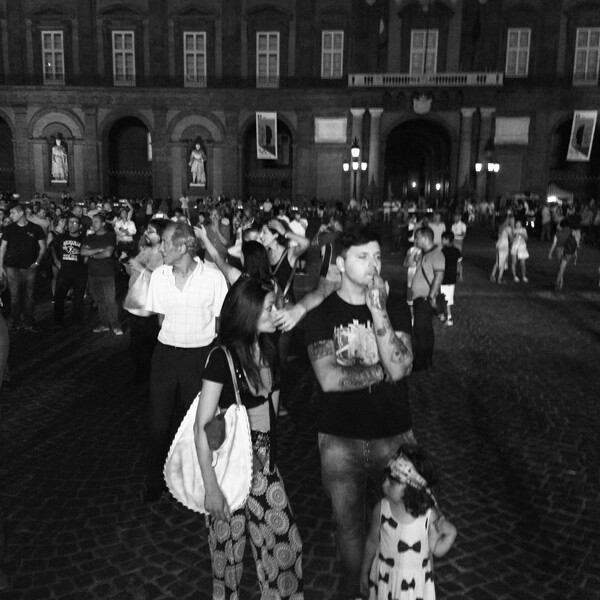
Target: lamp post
(355, 164)
(492, 168)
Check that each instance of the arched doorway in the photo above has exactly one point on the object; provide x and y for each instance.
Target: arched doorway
(579, 177)
(417, 162)
(130, 159)
(268, 178)
(7, 164)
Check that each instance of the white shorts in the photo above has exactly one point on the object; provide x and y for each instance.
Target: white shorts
(448, 291)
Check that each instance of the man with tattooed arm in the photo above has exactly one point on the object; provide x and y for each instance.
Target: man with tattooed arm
(359, 344)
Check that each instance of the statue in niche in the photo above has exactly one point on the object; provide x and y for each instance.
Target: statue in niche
(60, 162)
(197, 165)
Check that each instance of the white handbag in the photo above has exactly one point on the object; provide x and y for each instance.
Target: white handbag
(232, 462)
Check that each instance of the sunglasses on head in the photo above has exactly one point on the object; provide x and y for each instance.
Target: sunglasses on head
(388, 474)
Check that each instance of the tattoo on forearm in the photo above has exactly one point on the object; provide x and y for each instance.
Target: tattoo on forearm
(399, 349)
(357, 378)
(320, 349)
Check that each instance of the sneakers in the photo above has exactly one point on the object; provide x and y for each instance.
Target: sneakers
(525, 280)
(117, 330)
(516, 279)
(449, 323)
(101, 329)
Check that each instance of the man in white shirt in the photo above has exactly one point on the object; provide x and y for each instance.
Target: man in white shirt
(187, 294)
(438, 227)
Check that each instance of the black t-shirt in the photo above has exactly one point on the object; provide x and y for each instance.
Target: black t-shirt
(23, 244)
(451, 254)
(68, 251)
(376, 412)
(217, 370)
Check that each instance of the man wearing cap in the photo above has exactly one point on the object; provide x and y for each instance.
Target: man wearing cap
(21, 252)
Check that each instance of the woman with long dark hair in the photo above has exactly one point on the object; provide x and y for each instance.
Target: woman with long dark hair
(246, 325)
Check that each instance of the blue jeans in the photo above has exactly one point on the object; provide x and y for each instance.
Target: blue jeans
(21, 283)
(346, 464)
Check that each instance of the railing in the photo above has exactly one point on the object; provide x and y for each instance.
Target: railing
(267, 82)
(425, 79)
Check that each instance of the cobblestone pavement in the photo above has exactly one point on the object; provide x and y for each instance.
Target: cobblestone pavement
(510, 412)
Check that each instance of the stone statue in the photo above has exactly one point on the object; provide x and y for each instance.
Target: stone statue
(196, 164)
(60, 162)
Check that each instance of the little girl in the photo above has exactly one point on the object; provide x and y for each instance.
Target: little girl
(406, 529)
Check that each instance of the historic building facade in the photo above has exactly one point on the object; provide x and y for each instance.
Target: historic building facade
(105, 96)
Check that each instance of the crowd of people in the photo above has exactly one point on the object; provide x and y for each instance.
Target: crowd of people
(187, 277)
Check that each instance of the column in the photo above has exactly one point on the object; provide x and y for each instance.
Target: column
(464, 147)
(91, 170)
(22, 162)
(161, 166)
(357, 127)
(374, 133)
(485, 131)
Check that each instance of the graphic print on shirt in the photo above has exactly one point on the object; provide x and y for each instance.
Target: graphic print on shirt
(71, 250)
(355, 344)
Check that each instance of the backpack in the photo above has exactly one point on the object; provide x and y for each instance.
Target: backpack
(570, 246)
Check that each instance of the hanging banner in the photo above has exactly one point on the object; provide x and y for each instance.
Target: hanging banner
(582, 135)
(266, 135)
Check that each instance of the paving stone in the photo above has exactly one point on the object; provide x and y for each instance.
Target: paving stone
(509, 413)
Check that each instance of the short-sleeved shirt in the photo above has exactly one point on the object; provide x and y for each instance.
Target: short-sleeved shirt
(68, 251)
(371, 413)
(101, 267)
(23, 244)
(459, 230)
(438, 229)
(190, 313)
(217, 370)
(451, 256)
(432, 262)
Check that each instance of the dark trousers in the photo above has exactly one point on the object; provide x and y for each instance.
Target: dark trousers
(423, 336)
(176, 374)
(143, 333)
(21, 283)
(66, 280)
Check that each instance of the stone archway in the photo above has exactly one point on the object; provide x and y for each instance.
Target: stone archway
(268, 178)
(129, 154)
(417, 158)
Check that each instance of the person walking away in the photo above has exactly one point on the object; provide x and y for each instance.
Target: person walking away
(99, 248)
(518, 251)
(505, 235)
(565, 245)
(71, 271)
(246, 333)
(438, 228)
(359, 345)
(406, 531)
(459, 230)
(425, 288)
(451, 257)
(546, 217)
(187, 294)
(21, 251)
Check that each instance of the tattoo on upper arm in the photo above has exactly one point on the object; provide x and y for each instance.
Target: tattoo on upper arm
(321, 349)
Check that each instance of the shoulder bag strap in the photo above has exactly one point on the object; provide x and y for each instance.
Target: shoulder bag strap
(238, 398)
(284, 255)
(423, 270)
(290, 280)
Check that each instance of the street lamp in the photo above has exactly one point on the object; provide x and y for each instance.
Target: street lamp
(355, 163)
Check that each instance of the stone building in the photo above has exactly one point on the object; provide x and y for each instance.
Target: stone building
(426, 88)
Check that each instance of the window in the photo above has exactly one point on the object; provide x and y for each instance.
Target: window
(332, 54)
(53, 57)
(517, 52)
(123, 58)
(423, 51)
(194, 58)
(587, 52)
(267, 59)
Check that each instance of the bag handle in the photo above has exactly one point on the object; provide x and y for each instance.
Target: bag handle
(238, 398)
